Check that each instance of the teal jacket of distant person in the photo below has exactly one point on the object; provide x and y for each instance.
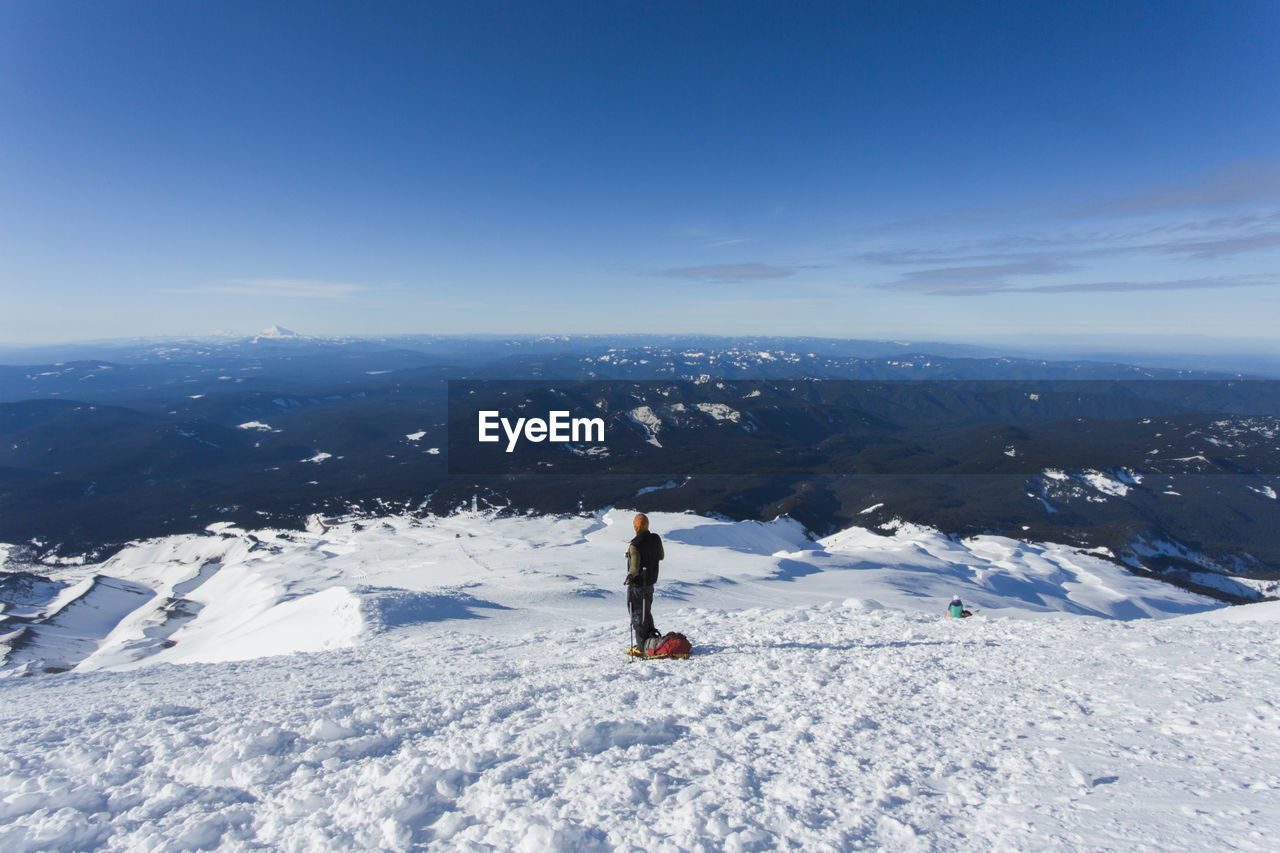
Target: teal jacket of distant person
(956, 610)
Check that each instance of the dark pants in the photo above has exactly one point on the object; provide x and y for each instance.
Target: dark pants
(640, 606)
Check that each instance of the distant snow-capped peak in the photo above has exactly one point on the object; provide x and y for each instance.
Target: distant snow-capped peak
(275, 333)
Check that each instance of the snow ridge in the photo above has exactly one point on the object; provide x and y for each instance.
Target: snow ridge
(233, 594)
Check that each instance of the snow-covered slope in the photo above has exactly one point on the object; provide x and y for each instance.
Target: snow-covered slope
(234, 595)
(459, 683)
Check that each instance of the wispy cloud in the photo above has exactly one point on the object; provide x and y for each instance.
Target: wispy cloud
(1219, 232)
(1239, 183)
(973, 280)
(276, 287)
(1209, 249)
(1212, 283)
(711, 236)
(1196, 241)
(1000, 278)
(1205, 218)
(729, 272)
(727, 241)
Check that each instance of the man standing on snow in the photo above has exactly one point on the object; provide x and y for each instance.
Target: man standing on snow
(643, 555)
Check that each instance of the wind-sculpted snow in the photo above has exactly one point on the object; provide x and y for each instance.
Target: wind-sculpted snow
(77, 621)
(235, 595)
(817, 727)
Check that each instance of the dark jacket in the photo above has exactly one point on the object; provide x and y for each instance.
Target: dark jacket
(643, 555)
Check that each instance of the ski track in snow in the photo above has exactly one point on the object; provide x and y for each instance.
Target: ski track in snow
(805, 720)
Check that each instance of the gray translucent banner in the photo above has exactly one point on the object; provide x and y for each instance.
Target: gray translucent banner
(806, 427)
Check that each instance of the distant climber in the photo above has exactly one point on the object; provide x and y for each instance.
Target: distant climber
(643, 554)
(956, 610)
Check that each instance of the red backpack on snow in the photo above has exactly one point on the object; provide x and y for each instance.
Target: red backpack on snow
(672, 645)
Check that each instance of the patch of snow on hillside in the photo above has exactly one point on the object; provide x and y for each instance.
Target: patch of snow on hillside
(720, 412)
(1199, 458)
(257, 425)
(670, 484)
(416, 436)
(1265, 588)
(1108, 484)
(1265, 491)
(319, 457)
(594, 451)
(649, 420)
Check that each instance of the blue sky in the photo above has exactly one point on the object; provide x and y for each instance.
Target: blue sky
(951, 171)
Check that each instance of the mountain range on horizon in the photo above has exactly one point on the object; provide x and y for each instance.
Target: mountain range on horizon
(1186, 352)
(1172, 471)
